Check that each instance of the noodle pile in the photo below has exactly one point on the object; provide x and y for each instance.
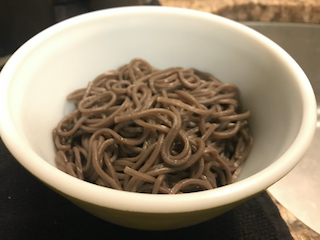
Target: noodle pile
(146, 130)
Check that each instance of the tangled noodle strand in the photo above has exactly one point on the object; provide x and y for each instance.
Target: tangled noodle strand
(154, 131)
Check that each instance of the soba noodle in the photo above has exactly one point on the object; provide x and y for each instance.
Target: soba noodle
(146, 130)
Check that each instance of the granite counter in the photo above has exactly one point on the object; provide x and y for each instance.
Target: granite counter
(302, 11)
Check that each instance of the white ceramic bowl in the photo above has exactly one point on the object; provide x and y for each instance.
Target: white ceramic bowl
(36, 80)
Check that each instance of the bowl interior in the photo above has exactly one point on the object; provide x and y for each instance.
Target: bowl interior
(66, 56)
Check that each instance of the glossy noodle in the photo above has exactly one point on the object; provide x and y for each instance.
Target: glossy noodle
(147, 130)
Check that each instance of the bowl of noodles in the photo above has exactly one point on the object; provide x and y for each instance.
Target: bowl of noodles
(154, 117)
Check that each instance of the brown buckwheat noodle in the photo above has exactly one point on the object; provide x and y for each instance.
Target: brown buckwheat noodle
(146, 130)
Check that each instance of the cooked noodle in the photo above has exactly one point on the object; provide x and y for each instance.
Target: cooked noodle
(146, 130)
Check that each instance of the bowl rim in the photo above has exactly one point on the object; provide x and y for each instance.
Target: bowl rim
(115, 199)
